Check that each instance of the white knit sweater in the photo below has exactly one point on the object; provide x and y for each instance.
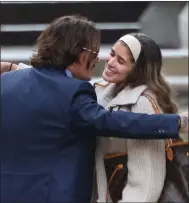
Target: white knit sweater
(146, 158)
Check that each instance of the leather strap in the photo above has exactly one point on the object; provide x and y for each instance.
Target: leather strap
(154, 105)
(169, 142)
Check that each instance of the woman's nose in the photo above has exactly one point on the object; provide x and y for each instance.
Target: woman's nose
(111, 61)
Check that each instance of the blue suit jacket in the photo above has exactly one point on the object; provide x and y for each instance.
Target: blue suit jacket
(49, 124)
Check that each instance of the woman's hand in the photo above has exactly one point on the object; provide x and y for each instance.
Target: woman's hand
(183, 122)
(7, 66)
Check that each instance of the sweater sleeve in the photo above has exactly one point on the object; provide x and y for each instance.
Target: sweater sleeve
(146, 164)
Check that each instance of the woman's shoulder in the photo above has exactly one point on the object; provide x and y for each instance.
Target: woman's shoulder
(147, 102)
(130, 95)
(149, 95)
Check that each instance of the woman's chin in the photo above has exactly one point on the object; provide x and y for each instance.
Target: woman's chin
(107, 78)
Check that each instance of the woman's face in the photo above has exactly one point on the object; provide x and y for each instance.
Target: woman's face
(118, 64)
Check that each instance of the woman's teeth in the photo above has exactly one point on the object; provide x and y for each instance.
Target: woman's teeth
(109, 71)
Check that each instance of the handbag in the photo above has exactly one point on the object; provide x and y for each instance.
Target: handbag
(176, 188)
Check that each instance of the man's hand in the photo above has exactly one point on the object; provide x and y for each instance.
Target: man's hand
(183, 122)
(6, 67)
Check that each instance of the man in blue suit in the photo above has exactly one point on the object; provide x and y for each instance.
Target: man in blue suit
(50, 119)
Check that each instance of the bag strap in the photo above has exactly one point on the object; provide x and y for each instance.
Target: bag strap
(168, 142)
(154, 105)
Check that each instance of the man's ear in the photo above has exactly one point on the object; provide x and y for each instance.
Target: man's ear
(81, 58)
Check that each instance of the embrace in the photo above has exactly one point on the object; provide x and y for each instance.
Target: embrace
(56, 128)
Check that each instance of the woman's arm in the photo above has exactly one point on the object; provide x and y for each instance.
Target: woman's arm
(146, 164)
(7, 66)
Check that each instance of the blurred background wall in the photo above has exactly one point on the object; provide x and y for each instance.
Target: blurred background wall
(165, 22)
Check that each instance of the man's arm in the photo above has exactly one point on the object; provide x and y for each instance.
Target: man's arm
(90, 118)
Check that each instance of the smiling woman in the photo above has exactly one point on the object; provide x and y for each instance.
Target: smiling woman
(136, 60)
(132, 75)
(118, 64)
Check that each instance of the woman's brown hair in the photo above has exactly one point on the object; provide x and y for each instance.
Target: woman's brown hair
(62, 42)
(147, 70)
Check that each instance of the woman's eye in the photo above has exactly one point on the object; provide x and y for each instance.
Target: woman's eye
(121, 62)
(111, 54)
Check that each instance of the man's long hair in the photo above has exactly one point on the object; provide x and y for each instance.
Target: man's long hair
(62, 42)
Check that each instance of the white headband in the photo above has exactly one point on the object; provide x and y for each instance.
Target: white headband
(133, 44)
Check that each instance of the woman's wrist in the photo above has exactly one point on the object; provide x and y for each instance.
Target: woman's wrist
(183, 121)
(10, 67)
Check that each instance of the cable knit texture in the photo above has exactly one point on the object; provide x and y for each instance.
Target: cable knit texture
(146, 158)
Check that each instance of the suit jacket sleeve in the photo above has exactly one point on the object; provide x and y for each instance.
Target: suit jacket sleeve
(92, 119)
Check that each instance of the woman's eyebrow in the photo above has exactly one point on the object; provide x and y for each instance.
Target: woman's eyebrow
(112, 50)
